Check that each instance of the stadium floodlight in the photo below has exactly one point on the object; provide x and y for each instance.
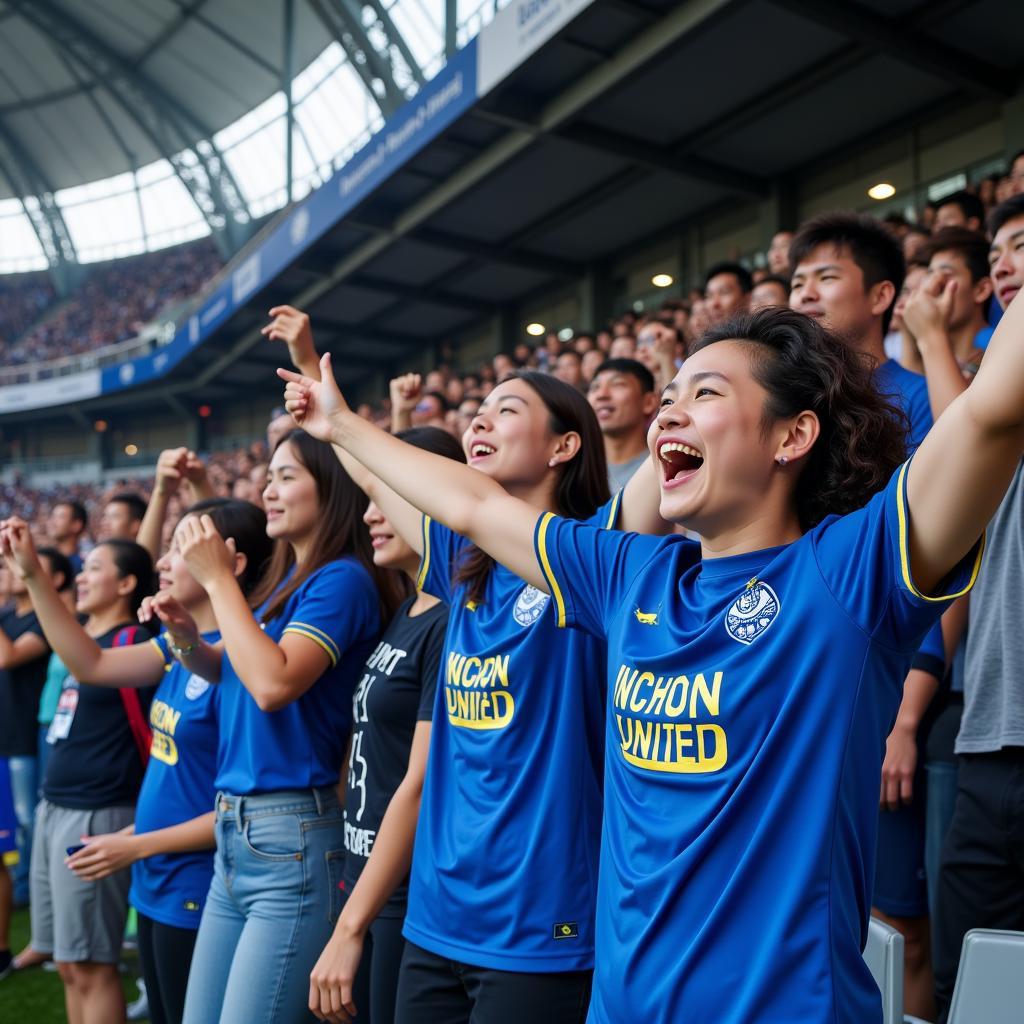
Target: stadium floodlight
(883, 190)
(535, 329)
(662, 280)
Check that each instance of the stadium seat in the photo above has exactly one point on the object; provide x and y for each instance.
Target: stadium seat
(990, 981)
(884, 957)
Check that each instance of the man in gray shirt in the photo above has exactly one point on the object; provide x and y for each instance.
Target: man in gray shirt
(623, 399)
(981, 875)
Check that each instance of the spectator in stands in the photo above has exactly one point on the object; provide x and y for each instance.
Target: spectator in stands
(122, 516)
(65, 526)
(503, 365)
(981, 877)
(569, 368)
(430, 410)
(915, 243)
(623, 398)
(592, 359)
(959, 210)
(907, 354)
(1016, 175)
(769, 291)
(583, 343)
(727, 289)
(947, 316)
(778, 254)
(464, 416)
(623, 347)
(92, 779)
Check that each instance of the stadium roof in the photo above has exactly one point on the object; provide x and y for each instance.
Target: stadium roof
(134, 124)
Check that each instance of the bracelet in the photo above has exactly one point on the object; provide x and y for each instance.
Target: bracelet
(181, 652)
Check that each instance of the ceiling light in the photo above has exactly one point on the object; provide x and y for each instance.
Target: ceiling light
(662, 280)
(131, 449)
(535, 329)
(883, 190)
(565, 334)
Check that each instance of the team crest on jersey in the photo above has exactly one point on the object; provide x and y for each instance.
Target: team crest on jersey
(752, 612)
(530, 605)
(196, 687)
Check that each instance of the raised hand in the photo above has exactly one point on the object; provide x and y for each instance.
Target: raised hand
(928, 311)
(207, 555)
(194, 470)
(173, 616)
(405, 392)
(170, 470)
(292, 326)
(18, 549)
(316, 406)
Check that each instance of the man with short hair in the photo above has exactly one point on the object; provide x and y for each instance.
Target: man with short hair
(122, 516)
(727, 288)
(65, 526)
(623, 398)
(959, 210)
(769, 291)
(569, 368)
(947, 314)
(1016, 174)
(778, 254)
(981, 875)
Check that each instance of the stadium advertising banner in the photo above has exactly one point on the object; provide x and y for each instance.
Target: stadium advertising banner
(516, 32)
(57, 391)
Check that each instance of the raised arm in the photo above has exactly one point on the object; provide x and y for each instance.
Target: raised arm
(170, 471)
(926, 315)
(468, 502)
(961, 472)
(274, 673)
(292, 326)
(137, 665)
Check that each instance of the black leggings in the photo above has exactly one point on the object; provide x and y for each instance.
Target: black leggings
(376, 983)
(435, 990)
(166, 955)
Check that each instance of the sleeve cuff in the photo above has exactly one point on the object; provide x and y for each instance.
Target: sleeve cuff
(318, 636)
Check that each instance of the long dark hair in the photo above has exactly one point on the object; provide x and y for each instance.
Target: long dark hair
(582, 486)
(132, 559)
(803, 366)
(246, 524)
(340, 532)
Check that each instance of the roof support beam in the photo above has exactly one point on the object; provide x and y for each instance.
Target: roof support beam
(28, 180)
(897, 40)
(179, 133)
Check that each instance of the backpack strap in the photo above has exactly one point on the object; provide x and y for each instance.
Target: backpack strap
(130, 699)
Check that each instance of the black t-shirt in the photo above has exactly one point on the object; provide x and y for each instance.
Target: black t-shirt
(95, 760)
(396, 691)
(20, 689)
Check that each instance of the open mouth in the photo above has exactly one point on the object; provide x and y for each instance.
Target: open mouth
(480, 450)
(679, 460)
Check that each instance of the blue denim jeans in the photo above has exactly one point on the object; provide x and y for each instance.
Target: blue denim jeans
(25, 790)
(271, 907)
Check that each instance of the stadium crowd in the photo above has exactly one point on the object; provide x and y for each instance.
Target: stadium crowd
(113, 304)
(175, 725)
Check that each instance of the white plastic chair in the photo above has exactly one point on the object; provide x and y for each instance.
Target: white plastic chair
(884, 956)
(990, 980)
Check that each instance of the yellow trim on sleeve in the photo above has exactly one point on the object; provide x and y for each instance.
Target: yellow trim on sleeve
(613, 512)
(545, 566)
(162, 653)
(317, 636)
(421, 576)
(908, 580)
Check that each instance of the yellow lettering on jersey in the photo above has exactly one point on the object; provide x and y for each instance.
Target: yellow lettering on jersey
(647, 709)
(163, 748)
(163, 717)
(472, 695)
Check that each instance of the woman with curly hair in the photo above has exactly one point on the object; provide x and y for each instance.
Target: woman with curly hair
(753, 676)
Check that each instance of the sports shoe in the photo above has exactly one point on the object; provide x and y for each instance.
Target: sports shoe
(139, 1010)
(6, 963)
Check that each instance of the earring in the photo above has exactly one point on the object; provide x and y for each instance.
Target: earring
(783, 460)
(552, 463)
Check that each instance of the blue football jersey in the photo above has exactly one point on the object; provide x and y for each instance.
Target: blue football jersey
(749, 698)
(302, 745)
(504, 872)
(178, 786)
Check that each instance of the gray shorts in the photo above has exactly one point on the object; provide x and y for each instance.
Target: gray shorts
(76, 921)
